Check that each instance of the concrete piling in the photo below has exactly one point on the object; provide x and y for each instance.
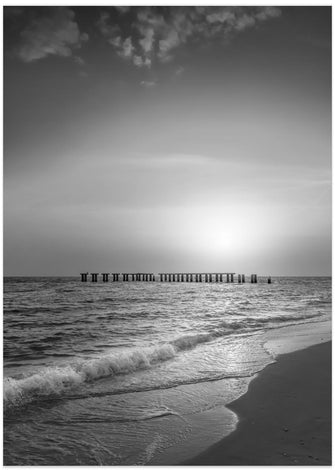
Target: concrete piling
(173, 277)
(94, 277)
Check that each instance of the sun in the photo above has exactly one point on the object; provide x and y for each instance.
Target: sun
(232, 231)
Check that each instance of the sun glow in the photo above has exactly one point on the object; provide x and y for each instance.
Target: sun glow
(228, 231)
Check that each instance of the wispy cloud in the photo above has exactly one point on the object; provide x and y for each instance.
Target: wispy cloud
(122, 9)
(179, 71)
(158, 32)
(55, 33)
(110, 31)
(148, 84)
(79, 60)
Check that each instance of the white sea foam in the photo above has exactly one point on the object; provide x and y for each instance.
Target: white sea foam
(52, 381)
(49, 381)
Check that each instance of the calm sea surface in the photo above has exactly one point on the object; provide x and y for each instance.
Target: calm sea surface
(122, 373)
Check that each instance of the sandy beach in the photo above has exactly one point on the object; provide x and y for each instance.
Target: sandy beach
(285, 417)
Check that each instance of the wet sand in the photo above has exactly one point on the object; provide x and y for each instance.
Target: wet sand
(285, 417)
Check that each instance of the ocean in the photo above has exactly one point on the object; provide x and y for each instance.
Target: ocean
(125, 373)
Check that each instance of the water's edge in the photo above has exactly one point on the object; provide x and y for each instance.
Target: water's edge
(275, 343)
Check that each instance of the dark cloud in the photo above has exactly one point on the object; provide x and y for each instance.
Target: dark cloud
(158, 32)
(51, 31)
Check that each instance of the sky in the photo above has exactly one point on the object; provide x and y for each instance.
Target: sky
(167, 139)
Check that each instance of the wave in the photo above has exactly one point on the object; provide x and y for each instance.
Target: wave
(53, 381)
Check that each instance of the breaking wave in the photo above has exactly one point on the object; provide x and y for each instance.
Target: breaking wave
(53, 381)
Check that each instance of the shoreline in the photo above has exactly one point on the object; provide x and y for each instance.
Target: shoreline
(285, 416)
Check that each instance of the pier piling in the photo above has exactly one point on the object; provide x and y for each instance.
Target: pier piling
(94, 277)
(173, 277)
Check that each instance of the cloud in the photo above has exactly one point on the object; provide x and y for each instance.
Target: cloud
(126, 48)
(112, 32)
(158, 32)
(147, 41)
(221, 16)
(79, 60)
(166, 45)
(244, 21)
(179, 71)
(148, 84)
(140, 62)
(122, 9)
(56, 33)
(268, 12)
(108, 30)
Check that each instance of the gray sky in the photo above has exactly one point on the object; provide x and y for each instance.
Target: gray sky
(167, 139)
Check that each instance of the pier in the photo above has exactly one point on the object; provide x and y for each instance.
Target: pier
(171, 277)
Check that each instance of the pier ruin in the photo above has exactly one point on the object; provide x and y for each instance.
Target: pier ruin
(171, 277)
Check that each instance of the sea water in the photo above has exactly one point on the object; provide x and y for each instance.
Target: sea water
(125, 373)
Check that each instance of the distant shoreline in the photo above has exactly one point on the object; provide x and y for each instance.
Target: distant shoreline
(285, 417)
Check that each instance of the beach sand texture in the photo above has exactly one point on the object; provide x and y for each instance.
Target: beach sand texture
(285, 417)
